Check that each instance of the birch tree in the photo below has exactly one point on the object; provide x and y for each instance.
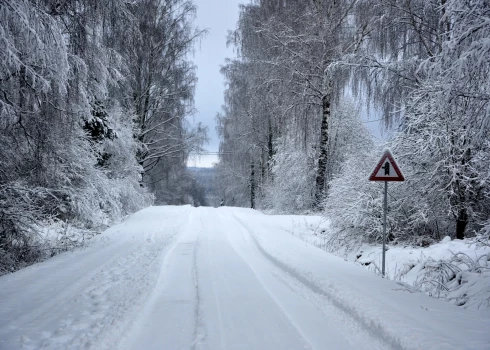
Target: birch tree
(293, 48)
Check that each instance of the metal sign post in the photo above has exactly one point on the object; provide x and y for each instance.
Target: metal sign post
(385, 209)
(383, 172)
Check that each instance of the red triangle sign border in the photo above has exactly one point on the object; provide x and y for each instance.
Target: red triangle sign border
(387, 155)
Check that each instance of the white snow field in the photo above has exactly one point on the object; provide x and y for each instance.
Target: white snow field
(227, 278)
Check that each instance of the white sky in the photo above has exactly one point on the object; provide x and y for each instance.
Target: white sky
(217, 16)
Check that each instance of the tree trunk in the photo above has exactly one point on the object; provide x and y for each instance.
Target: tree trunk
(270, 152)
(252, 186)
(461, 223)
(323, 156)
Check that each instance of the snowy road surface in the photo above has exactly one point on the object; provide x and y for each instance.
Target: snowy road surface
(226, 278)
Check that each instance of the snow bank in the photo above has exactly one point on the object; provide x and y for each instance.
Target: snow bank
(454, 270)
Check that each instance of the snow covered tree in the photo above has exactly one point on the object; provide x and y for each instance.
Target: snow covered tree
(289, 53)
(432, 71)
(161, 92)
(446, 126)
(397, 36)
(69, 102)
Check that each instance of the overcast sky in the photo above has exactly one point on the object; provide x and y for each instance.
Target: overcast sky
(217, 16)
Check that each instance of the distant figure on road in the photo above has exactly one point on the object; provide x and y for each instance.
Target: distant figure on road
(222, 203)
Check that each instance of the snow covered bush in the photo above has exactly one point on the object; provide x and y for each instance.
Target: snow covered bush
(290, 189)
(418, 213)
(483, 236)
(461, 279)
(18, 214)
(354, 205)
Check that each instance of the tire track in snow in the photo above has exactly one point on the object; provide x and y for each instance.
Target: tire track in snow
(118, 336)
(272, 297)
(113, 301)
(372, 327)
(168, 319)
(215, 292)
(200, 333)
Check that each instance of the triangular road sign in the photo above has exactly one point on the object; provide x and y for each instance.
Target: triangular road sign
(387, 169)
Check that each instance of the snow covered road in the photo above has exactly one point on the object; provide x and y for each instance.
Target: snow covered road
(226, 278)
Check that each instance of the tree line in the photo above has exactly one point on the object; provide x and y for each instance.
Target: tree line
(93, 100)
(293, 138)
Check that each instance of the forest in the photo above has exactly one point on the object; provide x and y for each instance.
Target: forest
(293, 130)
(94, 96)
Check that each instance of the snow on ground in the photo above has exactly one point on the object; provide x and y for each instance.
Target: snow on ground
(79, 299)
(462, 265)
(226, 278)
